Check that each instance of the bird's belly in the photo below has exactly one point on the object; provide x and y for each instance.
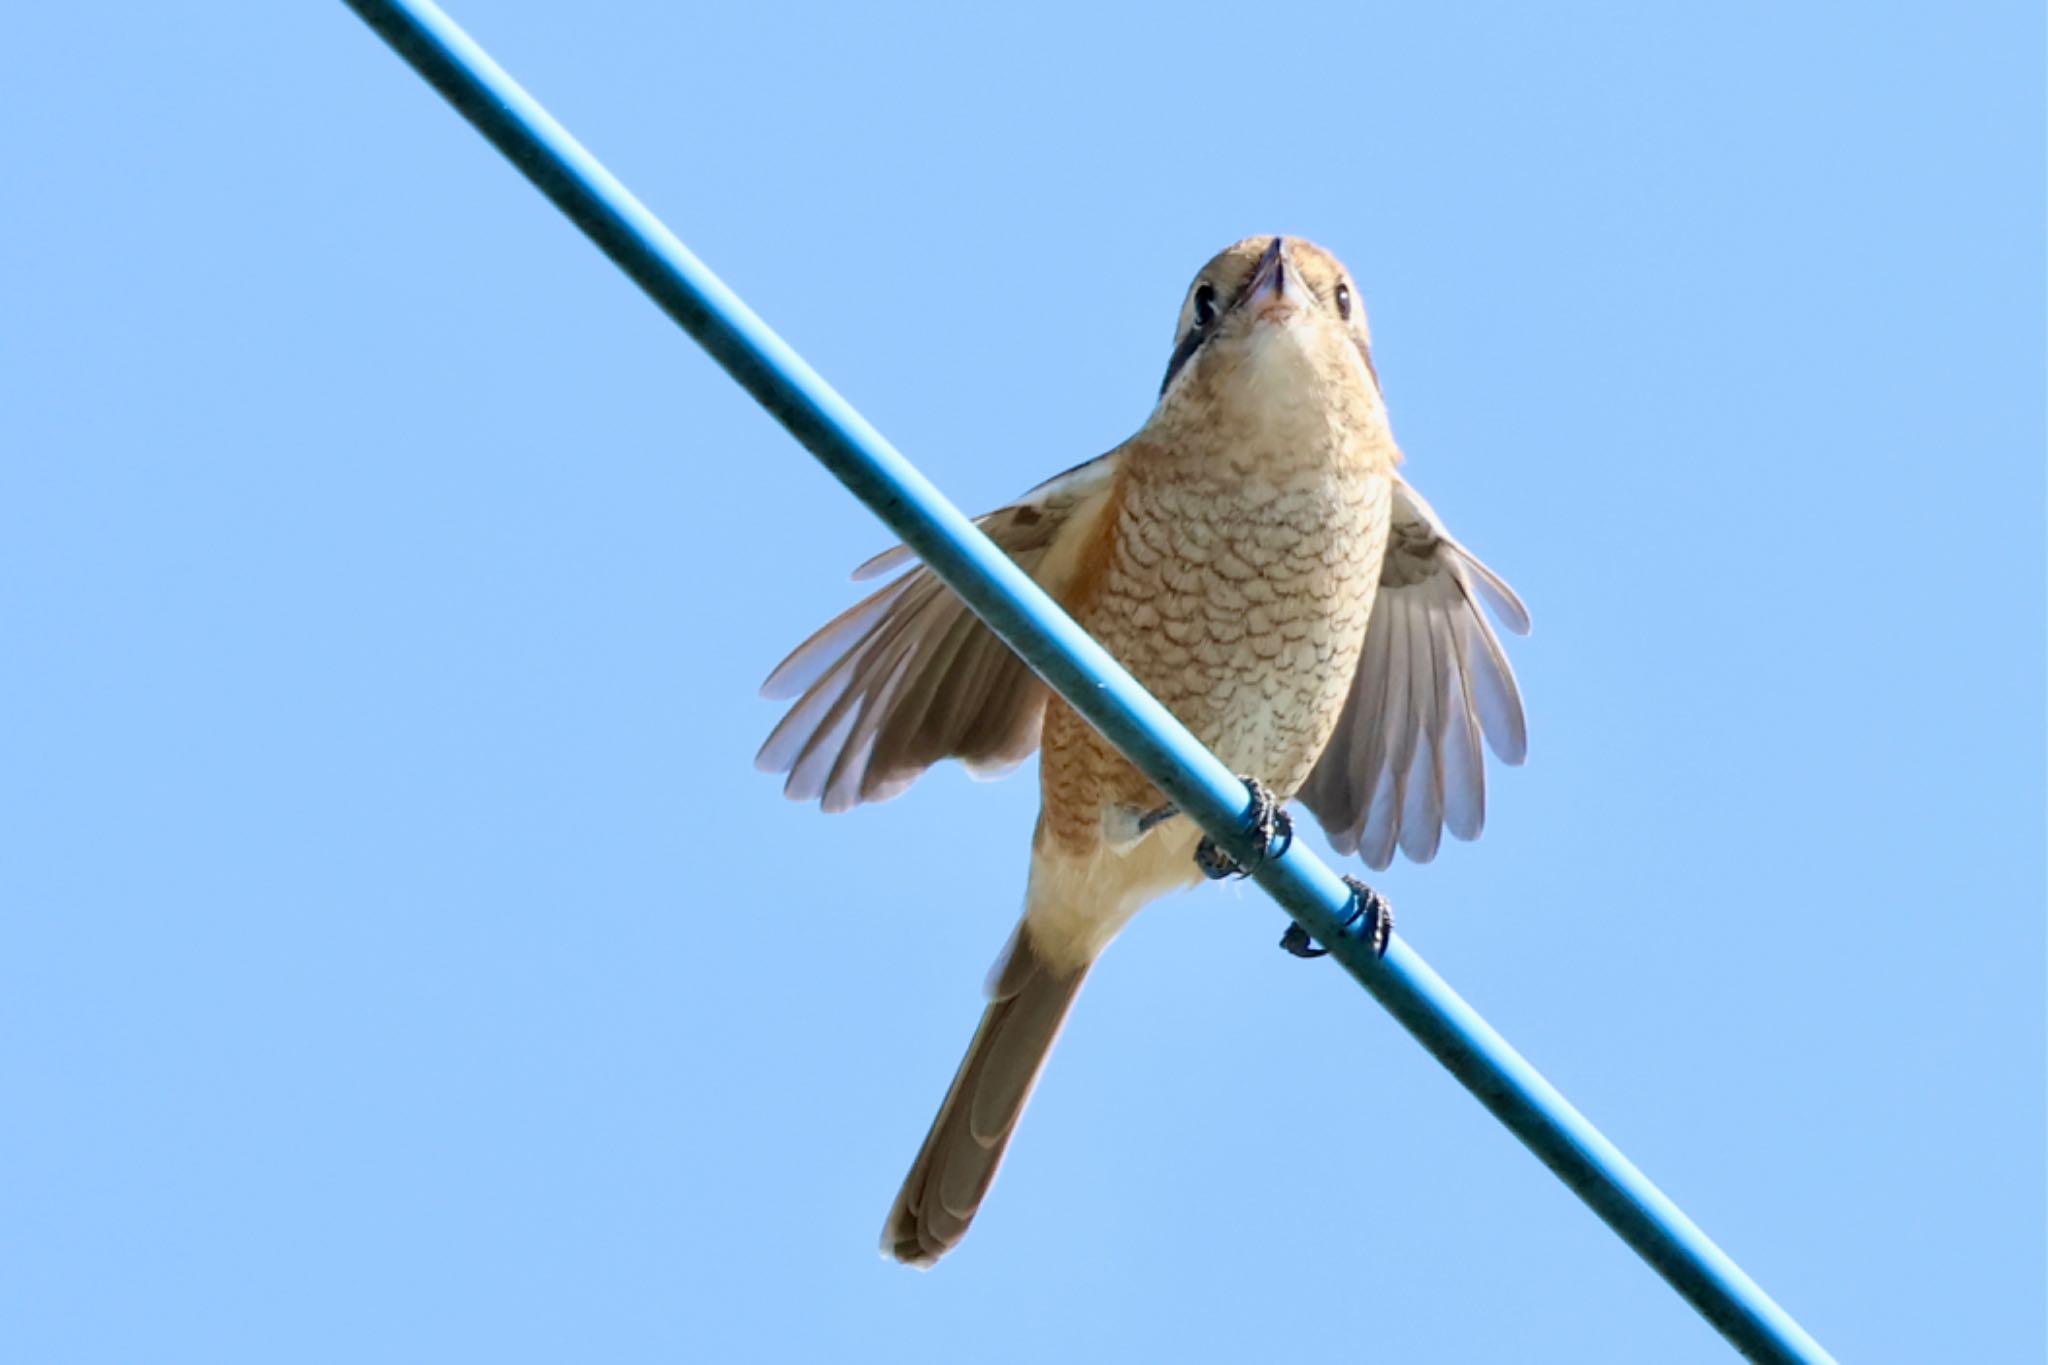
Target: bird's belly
(1265, 702)
(1244, 611)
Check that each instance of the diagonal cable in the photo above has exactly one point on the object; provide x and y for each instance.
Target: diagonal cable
(1076, 667)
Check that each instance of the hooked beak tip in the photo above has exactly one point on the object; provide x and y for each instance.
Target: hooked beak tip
(1269, 279)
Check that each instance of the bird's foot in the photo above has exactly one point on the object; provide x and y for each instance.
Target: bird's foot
(1269, 825)
(1366, 904)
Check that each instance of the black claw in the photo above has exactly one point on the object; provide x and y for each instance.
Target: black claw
(1366, 904)
(1370, 905)
(1297, 941)
(1270, 826)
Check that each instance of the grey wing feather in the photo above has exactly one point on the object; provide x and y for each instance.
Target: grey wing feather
(909, 676)
(1404, 763)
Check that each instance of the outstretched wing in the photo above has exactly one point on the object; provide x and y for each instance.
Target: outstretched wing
(1404, 763)
(909, 676)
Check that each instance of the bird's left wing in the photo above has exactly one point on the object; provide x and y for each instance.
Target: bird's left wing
(909, 676)
(1404, 762)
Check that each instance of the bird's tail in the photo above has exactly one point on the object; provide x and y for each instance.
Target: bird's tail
(1028, 1003)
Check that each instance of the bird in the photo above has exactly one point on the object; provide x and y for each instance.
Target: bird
(1254, 557)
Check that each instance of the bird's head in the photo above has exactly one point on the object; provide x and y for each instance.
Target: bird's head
(1268, 318)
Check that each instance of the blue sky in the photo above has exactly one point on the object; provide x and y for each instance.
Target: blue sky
(400, 959)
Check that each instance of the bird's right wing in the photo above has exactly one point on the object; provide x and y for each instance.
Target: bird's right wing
(909, 676)
(1404, 762)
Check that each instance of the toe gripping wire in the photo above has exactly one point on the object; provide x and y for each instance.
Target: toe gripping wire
(1271, 830)
(1267, 827)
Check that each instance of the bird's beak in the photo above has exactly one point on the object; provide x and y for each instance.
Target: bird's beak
(1269, 281)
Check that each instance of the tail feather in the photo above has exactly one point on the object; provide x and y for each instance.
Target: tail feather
(1029, 1002)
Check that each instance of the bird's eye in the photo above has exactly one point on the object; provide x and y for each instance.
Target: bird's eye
(1343, 300)
(1205, 305)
